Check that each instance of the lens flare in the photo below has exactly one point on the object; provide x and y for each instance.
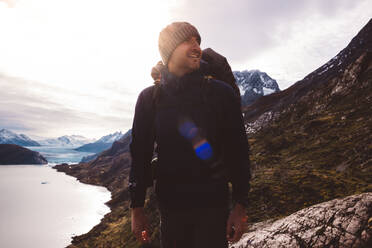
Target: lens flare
(204, 150)
(188, 130)
(192, 133)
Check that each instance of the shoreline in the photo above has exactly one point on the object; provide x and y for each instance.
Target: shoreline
(110, 170)
(73, 170)
(86, 183)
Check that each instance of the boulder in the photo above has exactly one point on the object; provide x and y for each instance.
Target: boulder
(339, 223)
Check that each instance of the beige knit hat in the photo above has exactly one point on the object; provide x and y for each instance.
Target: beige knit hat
(173, 35)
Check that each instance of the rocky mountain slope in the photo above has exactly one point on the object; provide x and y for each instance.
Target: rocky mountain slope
(309, 144)
(8, 137)
(312, 141)
(11, 154)
(253, 84)
(343, 223)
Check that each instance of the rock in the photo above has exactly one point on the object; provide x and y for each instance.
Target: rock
(343, 223)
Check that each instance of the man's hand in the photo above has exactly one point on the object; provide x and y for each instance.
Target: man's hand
(140, 225)
(236, 223)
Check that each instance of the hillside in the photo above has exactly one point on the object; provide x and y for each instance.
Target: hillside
(312, 142)
(11, 154)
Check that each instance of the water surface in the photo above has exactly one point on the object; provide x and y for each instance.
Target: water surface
(41, 207)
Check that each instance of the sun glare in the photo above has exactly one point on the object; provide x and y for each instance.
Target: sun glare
(81, 42)
(82, 49)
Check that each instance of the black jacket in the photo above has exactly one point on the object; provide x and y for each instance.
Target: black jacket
(199, 131)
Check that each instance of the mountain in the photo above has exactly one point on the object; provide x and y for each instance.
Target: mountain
(93, 147)
(310, 143)
(110, 138)
(100, 145)
(253, 84)
(8, 137)
(66, 141)
(88, 158)
(11, 154)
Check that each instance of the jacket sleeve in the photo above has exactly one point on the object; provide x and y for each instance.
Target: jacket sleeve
(236, 149)
(141, 147)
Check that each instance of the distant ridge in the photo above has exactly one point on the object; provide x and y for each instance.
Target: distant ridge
(11, 154)
(8, 137)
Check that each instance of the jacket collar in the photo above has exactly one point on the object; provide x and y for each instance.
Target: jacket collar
(173, 82)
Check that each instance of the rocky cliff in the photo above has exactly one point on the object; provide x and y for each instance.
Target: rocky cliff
(309, 144)
(11, 154)
(343, 223)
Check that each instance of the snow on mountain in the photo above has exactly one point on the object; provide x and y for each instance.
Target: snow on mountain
(99, 147)
(8, 137)
(254, 84)
(110, 138)
(102, 144)
(67, 141)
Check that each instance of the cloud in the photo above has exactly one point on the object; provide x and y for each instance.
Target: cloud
(242, 29)
(82, 74)
(286, 39)
(29, 107)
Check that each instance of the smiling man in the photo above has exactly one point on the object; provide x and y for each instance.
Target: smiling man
(201, 142)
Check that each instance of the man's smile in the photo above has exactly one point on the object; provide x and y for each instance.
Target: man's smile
(195, 55)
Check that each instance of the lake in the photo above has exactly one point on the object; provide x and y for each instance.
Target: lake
(41, 207)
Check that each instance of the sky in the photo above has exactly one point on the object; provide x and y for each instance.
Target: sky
(77, 66)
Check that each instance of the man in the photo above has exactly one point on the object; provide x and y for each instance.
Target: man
(201, 143)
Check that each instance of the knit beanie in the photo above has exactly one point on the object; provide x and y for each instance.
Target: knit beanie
(173, 35)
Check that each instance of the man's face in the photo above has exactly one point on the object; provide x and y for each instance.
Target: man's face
(186, 56)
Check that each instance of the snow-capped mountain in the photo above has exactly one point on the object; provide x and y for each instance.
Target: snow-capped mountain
(100, 147)
(110, 138)
(128, 133)
(253, 84)
(67, 141)
(102, 144)
(8, 137)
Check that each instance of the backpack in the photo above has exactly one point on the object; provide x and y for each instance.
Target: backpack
(216, 67)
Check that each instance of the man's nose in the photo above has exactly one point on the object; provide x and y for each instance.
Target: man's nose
(195, 44)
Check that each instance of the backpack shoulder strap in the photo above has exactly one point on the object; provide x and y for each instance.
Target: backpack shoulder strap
(206, 87)
(156, 95)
